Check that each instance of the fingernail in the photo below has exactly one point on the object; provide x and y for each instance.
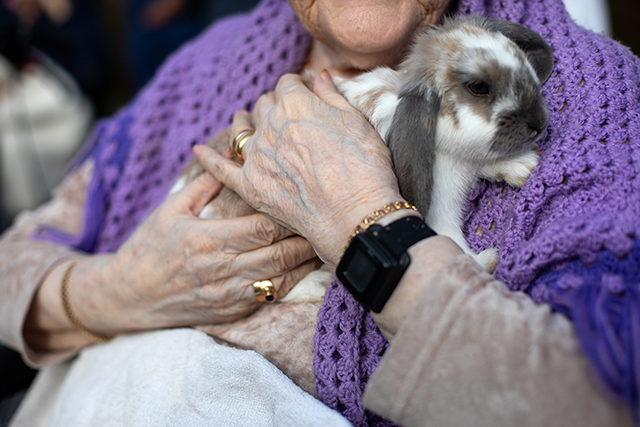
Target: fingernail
(200, 150)
(326, 76)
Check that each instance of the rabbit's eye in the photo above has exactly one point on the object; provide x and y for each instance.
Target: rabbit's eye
(478, 88)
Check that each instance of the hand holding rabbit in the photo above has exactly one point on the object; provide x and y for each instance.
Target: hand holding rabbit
(349, 174)
(175, 270)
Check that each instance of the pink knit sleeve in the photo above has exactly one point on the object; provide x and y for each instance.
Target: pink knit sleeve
(472, 352)
(25, 262)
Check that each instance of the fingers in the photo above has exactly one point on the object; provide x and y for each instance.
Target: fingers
(195, 195)
(247, 233)
(277, 259)
(283, 283)
(263, 107)
(287, 281)
(289, 83)
(262, 263)
(224, 170)
(241, 121)
(325, 89)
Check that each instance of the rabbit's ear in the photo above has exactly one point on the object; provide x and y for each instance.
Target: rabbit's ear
(411, 140)
(538, 52)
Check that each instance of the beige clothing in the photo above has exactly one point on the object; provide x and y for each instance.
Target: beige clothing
(473, 353)
(470, 353)
(25, 262)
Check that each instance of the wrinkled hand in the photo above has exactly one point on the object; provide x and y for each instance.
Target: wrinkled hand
(180, 270)
(314, 163)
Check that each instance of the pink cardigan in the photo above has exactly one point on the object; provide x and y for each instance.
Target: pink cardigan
(531, 373)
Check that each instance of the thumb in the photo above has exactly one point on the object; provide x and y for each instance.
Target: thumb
(325, 89)
(195, 195)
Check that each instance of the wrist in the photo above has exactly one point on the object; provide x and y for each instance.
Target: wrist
(91, 295)
(377, 258)
(83, 302)
(394, 216)
(356, 215)
(429, 257)
(47, 327)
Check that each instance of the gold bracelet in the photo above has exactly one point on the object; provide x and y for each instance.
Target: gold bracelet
(378, 214)
(66, 302)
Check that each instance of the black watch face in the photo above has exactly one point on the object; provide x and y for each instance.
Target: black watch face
(370, 272)
(365, 267)
(375, 261)
(361, 271)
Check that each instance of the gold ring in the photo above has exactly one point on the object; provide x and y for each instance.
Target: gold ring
(265, 291)
(239, 141)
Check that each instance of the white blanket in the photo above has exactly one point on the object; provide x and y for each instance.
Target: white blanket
(178, 377)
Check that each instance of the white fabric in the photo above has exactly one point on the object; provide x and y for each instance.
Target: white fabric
(43, 120)
(178, 377)
(591, 14)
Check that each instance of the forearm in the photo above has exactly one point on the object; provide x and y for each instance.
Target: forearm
(23, 268)
(470, 352)
(47, 327)
(26, 264)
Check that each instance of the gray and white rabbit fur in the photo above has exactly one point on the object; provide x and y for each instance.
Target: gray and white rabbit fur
(465, 104)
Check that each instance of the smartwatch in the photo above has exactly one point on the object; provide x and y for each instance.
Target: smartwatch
(376, 259)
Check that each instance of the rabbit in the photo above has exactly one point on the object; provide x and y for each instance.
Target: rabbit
(443, 132)
(465, 104)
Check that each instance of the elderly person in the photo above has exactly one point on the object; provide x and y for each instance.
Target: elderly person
(465, 349)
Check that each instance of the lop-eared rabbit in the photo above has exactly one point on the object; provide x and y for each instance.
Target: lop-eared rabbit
(465, 104)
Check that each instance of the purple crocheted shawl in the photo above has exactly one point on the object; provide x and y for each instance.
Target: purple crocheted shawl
(569, 237)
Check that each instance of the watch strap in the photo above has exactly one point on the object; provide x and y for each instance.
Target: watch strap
(401, 234)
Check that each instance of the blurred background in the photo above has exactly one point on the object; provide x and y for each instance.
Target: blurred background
(65, 63)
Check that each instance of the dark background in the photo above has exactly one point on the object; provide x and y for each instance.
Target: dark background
(110, 52)
(625, 18)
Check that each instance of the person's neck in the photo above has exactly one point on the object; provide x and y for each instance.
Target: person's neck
(323, 58)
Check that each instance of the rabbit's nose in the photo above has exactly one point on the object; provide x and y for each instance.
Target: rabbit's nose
(534, 132)
(537, 122)
(535, 129)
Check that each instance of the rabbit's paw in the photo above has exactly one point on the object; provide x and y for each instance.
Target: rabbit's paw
(487, 259)
(515, 171)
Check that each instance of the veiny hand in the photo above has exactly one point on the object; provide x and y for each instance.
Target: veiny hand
(180, 270)
(314, 163)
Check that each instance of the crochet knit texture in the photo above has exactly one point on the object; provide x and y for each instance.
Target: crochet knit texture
(569, 237)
